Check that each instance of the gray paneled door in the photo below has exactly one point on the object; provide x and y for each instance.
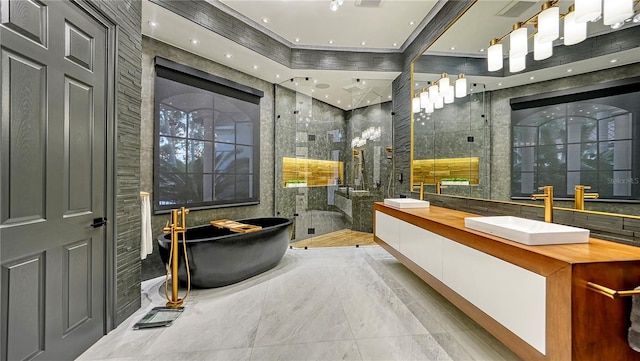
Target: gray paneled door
(52, 179)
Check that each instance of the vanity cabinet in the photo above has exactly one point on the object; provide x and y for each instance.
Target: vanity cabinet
(532, 298)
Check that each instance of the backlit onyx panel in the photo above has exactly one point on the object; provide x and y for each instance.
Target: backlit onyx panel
(23, 139)
(23, 308)
(78, 46)
(78, 126)
(26, 17)
(77, 284)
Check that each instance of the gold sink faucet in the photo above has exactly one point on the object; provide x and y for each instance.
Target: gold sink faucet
(580, 195)
(439, 187)
(547, 196)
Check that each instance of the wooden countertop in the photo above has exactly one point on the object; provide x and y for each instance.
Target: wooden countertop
(450, 223)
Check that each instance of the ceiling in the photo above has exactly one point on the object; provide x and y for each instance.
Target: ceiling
(383, 26)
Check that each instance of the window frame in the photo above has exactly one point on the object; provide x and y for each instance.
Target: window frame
(169, 70)
(567, 98)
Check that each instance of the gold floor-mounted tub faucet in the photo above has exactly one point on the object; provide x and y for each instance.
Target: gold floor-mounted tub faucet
(580, 195)
(547, 196)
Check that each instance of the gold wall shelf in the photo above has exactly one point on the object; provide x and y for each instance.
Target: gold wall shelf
(315, 172)
(432, 171)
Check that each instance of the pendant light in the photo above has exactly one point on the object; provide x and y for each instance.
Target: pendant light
(439, 103)
(461, 85)
(548, 23)
(541, 50)
(424, 98)
(494, 56)
(448, 99)
(415, 104)
(517, 62)
(587, 10)
(443, 85)
(616, 11)
(518, 45)
(429, 109)
(574, 32)
(433, 92)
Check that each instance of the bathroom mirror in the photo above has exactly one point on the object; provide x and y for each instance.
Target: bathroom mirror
(462, 50)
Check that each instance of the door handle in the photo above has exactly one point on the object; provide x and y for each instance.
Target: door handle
(99, 222)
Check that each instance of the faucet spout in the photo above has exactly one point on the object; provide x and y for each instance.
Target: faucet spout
(580, 196)
(547, 196)
(439, 187)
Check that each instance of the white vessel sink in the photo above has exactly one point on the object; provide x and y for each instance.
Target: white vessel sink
(406, 203)
(528, 231)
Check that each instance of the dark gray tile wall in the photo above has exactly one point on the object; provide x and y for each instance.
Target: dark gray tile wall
(452, 65)
(345, 60)
(127, 16)
(401, 133)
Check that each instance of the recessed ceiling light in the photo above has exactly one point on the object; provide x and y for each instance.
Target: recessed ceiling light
(411, 23)
(532, 77)
(613, 61)
(326, 96)
(338, 101)
(389, 97)
(349, 106)
(453, 48)
(330, 41)
(569, 70)
(368, 102)
(265, 20)
(363, 43)
(255, 67)
(499, 84)
(153, 24)
(277, 75)
(228, 56)
(195, 41)
(482, 50)
(297, 40)
(395, 44)
(364, 82)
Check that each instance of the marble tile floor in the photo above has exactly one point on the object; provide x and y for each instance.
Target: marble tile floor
(317, 304)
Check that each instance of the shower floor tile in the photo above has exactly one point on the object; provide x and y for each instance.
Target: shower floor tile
(317, 304)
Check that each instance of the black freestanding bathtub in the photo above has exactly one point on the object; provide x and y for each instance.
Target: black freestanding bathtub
(219, 257)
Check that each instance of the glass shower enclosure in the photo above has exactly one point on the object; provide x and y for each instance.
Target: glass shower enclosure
(331, 161)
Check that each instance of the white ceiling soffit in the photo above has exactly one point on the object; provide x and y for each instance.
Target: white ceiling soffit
(380, 24)
(178, 32)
